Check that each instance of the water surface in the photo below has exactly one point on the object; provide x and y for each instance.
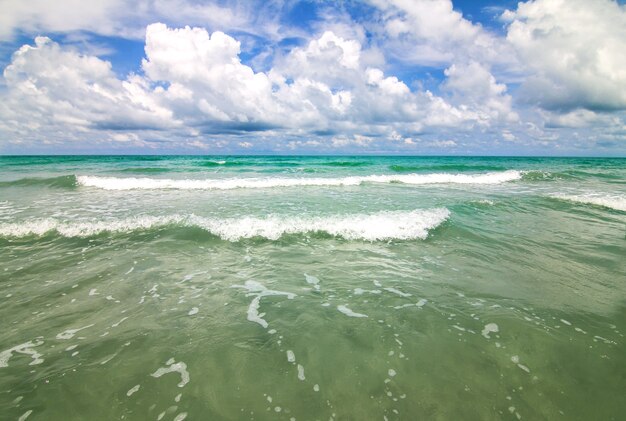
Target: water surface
(302, 288)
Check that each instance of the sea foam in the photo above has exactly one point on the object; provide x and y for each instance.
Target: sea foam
(399, 225)
(608, 201)
(117, 183)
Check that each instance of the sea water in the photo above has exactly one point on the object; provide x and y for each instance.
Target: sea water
(261, 288)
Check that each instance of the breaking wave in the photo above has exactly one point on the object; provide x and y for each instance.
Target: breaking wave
(116, 183)
(608, 201)
(392, 225)
(445, 167)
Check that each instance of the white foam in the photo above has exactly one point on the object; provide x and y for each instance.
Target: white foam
(490, 328)
(25, 348)
(312, 280)
(345, 310)
(145, 183)
(616, 202)
(397, 291)
(387, 225)
(421, 303)
(259, 291)
(25, 415)
(171, 367)
(190, 276)
(301, 372)
(291, 357)
(194, 310)
(133, 390)
(69, 333)
(515, 360)
(120, 322)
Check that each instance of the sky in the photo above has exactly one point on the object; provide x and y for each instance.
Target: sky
(406, 77)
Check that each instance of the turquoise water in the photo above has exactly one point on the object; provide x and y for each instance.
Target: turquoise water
(311, 288)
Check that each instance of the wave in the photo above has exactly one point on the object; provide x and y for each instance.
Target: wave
(145, 170)
(343, 164)
(241, 163)
(445, 167)
(390, 225)
(219, 163)
(537, 175)
(114, 183)
(64, 181)
(607, 201)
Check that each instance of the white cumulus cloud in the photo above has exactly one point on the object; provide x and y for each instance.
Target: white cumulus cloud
(574, 51)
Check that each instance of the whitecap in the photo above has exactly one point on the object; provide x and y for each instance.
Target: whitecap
(611, 201)
(145, 183)
(386, 225)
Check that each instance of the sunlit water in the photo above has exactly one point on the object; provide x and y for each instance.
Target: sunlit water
(305, 288)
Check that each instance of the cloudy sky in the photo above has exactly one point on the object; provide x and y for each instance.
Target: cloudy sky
(474, 77)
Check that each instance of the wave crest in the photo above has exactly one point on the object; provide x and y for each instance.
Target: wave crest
(116, 183)
(607, 201)
(63, 181)
(396, 225)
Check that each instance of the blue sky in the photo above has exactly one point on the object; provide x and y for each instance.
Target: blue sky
(543, 77)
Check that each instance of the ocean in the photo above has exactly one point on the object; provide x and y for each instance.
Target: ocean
(312, 288)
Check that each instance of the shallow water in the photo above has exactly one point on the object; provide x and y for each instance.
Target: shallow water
(312, 288)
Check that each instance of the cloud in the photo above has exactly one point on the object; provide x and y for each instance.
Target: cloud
(51, 87)
(573, 51)
(473, 86)
(322, 86)
(352, 78)
(206, 80)
(194, 82)
(128, 19)
(432, 33)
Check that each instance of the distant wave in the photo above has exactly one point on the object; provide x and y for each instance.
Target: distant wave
(219, 163)
(396, 225)
(343, 164)
(115, 183)
(537, 175)
(145, 170)
(64, 181)
(608, 201)
(445, 167)
(239, 163)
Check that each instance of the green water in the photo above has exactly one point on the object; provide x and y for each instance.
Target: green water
(210, 288)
